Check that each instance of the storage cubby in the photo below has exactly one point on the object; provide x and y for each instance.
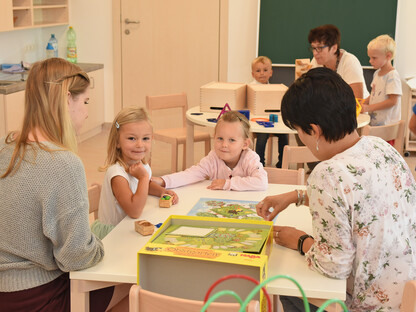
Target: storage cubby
(20, 14)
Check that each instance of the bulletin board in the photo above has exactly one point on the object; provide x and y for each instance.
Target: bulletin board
(285, 24)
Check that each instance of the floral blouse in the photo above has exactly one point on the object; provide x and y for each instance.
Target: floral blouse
(363, 206)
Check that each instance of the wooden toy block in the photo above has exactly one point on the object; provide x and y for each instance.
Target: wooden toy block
(214, 95)
(165, 201)
(144, 227)
(301, 67)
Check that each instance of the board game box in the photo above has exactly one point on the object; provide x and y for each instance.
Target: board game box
(189, 253)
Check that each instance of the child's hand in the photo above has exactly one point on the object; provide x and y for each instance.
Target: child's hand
(159, 181)
(175, 199)
(138, 171)
(217, 184)
(365, 108)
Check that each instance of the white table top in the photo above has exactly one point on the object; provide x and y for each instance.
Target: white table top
(279, 127)
(123, 243)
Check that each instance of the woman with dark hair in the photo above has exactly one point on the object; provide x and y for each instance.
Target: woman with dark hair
(361, 196)
(325, 45)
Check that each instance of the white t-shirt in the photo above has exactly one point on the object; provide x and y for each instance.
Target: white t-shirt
(350, 69)
(109, 211)
(381, 87)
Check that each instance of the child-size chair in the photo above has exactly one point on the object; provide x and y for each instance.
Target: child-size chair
(285, 176)
(175, 136)
(394, 131)
(297, 155)
(94, 192)
(147, 301)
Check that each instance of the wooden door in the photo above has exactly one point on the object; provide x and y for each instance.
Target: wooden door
(168, 47)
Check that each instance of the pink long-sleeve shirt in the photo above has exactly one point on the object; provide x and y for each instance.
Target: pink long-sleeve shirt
(247, 175)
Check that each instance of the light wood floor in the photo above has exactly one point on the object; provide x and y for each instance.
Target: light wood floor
(93, 154)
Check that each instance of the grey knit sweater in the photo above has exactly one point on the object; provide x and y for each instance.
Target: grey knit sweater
(44, 228)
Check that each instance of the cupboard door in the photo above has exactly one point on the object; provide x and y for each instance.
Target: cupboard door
(6, 15)
(14, 108)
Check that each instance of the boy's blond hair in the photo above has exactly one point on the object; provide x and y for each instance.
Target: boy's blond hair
(125, 116)
(261, 59)
(383, 43)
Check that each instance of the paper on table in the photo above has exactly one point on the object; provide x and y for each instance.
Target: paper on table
(412, 83)
(192, 231)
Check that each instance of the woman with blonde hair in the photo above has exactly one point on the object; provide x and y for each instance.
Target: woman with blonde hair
(44, 225)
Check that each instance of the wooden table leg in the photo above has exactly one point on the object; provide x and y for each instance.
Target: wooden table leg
(80, 293)
(189, 143)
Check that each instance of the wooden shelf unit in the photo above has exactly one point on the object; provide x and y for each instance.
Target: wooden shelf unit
(22, 14)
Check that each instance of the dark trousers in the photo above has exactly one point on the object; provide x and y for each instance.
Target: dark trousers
(295, 304)
(261, 146)
(51, 297)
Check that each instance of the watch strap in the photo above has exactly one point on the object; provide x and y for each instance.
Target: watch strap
(300, 243)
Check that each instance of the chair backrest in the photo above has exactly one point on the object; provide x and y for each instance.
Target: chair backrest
(390, 132)
(141, 300)
(285, 176)
(94, 192)
(296, 155)
(177, 100)
(409, 297)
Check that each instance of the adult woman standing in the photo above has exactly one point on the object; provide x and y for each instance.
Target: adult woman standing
(44, 225)
(361, 196)
(325, 45)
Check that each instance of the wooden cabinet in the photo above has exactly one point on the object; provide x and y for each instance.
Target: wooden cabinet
(12, 108)
(22, 14)
(95, 120)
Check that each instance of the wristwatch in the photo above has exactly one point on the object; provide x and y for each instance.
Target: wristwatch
(300, 243)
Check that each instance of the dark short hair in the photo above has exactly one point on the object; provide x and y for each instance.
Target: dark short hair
(323, 98)
(328, 34)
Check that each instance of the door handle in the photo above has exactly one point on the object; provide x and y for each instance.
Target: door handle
(128, 21)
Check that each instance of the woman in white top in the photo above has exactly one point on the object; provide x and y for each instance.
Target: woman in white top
(325, 46)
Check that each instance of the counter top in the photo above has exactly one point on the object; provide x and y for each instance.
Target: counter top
(18, 85)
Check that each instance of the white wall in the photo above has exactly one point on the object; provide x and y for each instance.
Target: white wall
(405, 60)
(242, 39)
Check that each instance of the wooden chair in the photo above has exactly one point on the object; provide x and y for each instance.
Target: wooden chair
(285, 176)
(94, 192)
(394, 132)
(298, 155)
(409, 297)
(141, 300)
(175, 136)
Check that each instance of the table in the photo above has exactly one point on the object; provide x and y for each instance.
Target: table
(119, 264)
(195, 117)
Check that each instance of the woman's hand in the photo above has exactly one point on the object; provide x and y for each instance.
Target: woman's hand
(175, 199)
(287, 236)
(277, 202)
(138, 171)
(217, 184)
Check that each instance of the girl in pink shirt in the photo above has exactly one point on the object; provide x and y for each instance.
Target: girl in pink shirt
(232, 165)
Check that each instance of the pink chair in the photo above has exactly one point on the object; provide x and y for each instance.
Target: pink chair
(146, 301)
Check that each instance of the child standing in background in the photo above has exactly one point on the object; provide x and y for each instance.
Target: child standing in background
(261, 70)
(384, 102)
(127, 179)
(232, 165)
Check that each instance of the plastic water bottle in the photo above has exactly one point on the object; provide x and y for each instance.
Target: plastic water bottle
(54, 42)
(49, 51)
(71, 48)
